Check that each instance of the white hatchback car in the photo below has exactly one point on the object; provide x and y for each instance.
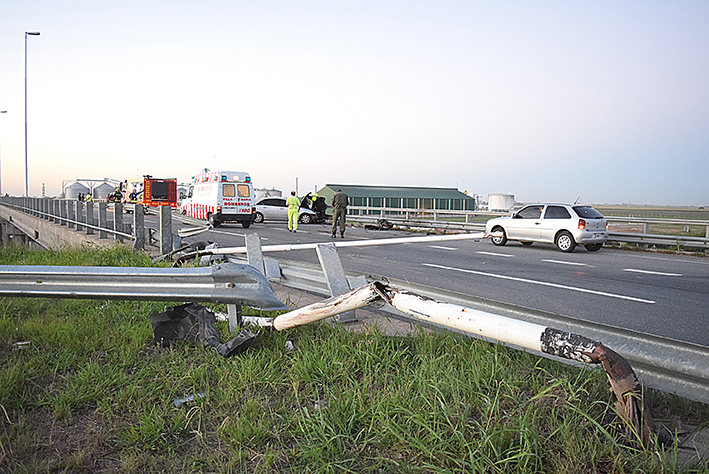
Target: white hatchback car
(563, 225)
(276, 209)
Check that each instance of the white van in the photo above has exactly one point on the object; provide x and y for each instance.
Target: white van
(220, 196)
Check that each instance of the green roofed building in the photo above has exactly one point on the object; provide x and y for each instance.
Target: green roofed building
(400, 197)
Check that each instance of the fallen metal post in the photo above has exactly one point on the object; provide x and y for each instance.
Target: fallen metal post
(224, 283)
(624, 382)
(347, 243)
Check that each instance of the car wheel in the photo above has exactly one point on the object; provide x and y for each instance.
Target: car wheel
(246, 224)
(306, 219)
(527, 243)
(258, 218)
(565, 242)
(593, 247)
(499, 239)
(213, 220)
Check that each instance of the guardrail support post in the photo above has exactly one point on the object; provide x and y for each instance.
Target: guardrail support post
(102, 219)
(118, 220)
(89, 217)
(235, 317)
(71, 214)
(63, 203)
(254, 253)
(165, 230)
(335, 275)
(80, 215)
(139, 227)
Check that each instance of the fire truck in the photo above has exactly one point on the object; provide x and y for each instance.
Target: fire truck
(221, 196)
(150, 191)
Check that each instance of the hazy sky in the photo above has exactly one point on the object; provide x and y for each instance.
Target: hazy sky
(606, 101)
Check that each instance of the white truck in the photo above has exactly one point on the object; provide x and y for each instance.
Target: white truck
(220, 196)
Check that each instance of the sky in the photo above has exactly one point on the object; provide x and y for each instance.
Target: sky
(603, 102)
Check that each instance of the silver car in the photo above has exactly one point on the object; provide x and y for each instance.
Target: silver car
(276, 209)
(563, 225)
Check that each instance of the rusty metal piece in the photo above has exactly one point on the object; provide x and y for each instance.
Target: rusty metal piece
(628, 392)
(624, 383)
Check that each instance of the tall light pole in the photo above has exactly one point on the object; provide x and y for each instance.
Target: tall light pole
(1, 112)
(27, 181)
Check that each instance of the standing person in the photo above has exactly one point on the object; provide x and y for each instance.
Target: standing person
(293, 205)
(340, 203)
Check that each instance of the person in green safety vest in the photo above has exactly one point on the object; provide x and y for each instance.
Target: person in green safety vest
(293, 204)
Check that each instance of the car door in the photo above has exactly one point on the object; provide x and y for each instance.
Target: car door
(526, 224)
(272, 209)
(281, 210)
(555, 218)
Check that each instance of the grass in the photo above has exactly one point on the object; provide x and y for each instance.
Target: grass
(90, 393)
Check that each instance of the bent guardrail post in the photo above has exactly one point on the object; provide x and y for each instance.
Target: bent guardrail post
(624, 383)
(224, 283)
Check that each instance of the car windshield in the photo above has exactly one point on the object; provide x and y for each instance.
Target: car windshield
(587, 212)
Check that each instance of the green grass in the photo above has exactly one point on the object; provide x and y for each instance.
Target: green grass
(90, 393)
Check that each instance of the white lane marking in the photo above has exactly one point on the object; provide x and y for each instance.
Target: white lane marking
(441, 247)
(495, 254)
(566, 263)
(543, 283)
(648, 272)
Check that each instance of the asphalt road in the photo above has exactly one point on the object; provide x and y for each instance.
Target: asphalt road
(655, 293)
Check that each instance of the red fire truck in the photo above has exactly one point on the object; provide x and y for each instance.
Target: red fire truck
(150, 191)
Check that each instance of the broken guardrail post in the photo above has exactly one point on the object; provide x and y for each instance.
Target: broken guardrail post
(624, 383)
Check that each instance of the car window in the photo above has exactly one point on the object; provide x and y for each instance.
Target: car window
(587, 212)
(228, 190)
(530, 212)
(557, 212)
(270, 202)
(243, 190)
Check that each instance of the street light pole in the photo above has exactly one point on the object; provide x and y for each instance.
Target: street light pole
(1, 112)
(27, 183)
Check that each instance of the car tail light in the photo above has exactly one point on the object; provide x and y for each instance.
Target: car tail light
(582, 224)
(219, 209)
(253, 210)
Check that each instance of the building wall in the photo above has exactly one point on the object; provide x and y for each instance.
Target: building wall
(400, 198)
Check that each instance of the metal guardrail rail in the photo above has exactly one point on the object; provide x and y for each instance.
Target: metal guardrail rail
(224, 283)
(661, 363)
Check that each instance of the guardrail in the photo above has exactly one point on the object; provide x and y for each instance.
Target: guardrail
(91, 217)
(661, 363)
(228, 283)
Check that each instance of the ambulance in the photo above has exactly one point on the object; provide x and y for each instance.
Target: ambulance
(220, 196)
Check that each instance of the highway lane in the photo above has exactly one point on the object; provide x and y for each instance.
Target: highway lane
(655, 293)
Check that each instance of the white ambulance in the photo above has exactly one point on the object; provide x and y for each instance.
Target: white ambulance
(220, 196)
